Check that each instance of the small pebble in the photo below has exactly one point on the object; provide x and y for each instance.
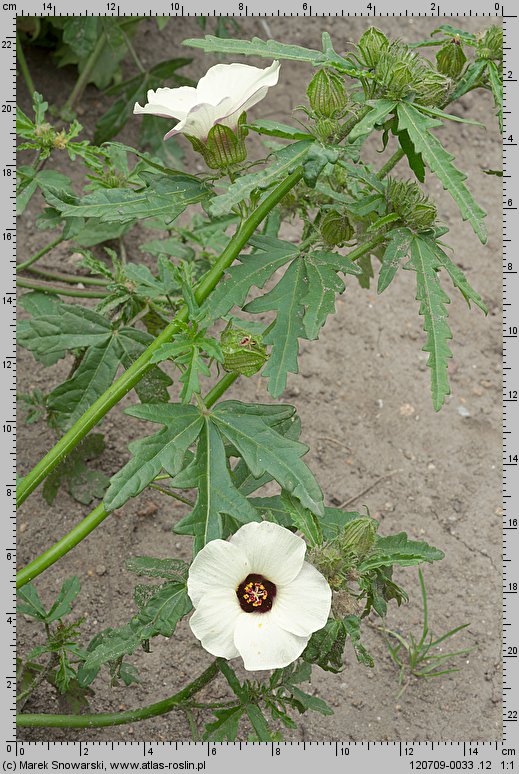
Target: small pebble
(100, 569)
(293, 392)
(148, 510)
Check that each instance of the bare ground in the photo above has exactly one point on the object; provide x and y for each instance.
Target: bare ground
(363, 396)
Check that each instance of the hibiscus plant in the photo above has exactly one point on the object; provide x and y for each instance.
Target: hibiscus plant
(278, 580)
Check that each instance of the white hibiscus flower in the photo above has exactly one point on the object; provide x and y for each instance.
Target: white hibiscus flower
(221, 96)
(256, 597)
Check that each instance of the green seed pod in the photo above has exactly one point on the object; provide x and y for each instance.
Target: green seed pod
(451, 59)
(242, 352)
(432, 88)
(327, 94)
(408, 201)
(371, 45)
(358, 536)
(223, 147)
(336, 228)
(491, 45)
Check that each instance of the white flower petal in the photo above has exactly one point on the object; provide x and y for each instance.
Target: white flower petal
(214, 622)
(263, 644)
(221, 96)
(169, 103)
(239, 81)
(201, 119)
(219, 566)
(272, 551)
(303, 606)
(231, 120)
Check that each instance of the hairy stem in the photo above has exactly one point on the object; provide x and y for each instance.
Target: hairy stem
(22, 64)
(40, 253)
(140, 367)
(75, 293)
(348, 126)
(390, 163)
(104, 719)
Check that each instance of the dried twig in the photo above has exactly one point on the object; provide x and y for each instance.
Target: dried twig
(333, 440)
(368, 488)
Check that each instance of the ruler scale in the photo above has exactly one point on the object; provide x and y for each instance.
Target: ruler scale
(389, 756)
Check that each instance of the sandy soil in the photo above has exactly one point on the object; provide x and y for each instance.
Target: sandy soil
(363, 396)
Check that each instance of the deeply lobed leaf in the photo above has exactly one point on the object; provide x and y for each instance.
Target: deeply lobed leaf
(439, 160)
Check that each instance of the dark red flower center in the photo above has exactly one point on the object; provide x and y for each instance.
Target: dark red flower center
(256, 594)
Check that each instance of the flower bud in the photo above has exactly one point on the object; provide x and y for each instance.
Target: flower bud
(326, 93)
(432, 88)
(358, 536)
(371, 45)
(451, 59)
(243, 353)
(408, 201)
(223, 147)
(394, 71)
(401, 73)
(491, 45)
(60, 140)
(327, 129)
(336, 228)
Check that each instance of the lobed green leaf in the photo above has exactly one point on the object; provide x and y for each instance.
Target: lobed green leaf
(398, 549)
(439, 161)
(432, 306)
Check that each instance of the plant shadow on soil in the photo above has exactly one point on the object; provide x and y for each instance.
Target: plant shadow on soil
(364, 400)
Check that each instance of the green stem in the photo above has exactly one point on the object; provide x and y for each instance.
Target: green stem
(99, 514)
(354, 120)
(22, 62)
(169, 493)
(104, 719)
(140, 366)
(62, 547)
(133, 53)
(70, 279)
(75, 293)
(40, 253)
(216, 392)
(390, 163)
(84, 77)
(365, 247)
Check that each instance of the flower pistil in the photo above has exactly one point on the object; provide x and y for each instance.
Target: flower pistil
(256, 594)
